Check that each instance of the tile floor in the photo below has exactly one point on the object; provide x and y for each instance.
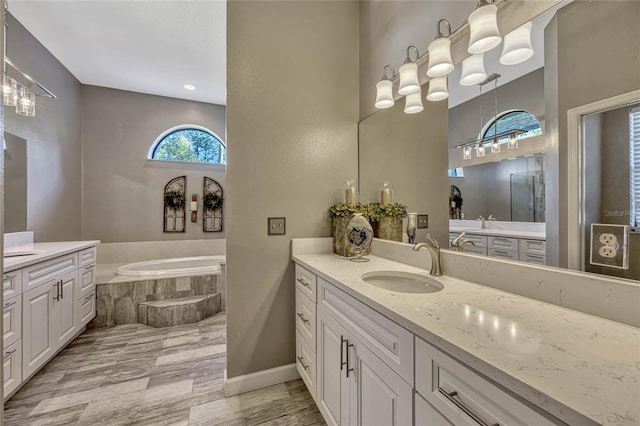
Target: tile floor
(139, 375)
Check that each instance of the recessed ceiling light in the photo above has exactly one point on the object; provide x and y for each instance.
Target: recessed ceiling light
(189, 86)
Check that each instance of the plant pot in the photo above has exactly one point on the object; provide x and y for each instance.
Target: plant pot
(391, 228)
(341, 243)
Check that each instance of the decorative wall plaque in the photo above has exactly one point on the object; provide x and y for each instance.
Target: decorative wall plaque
(174, 202)
(212, 200)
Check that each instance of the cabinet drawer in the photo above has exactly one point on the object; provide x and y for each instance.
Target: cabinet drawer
(475, 250)
(12, 321)
(538, 247)
(503, 244)
(87, 257)
(306, 363)
(503, 254)
(306, 282)
(12, 366)
(12, 284)
(87, 308)
(390, 342)
(533, 258)
(35, 275)
(87, 281)
(464, 397)
(478, 240)
(306, 318)
(426, 415)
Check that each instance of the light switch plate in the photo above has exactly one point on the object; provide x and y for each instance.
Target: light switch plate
(423, 221)
(276, 226)
(610, 245)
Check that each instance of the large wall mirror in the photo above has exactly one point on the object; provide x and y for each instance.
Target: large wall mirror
(15, 183)
(514, 192)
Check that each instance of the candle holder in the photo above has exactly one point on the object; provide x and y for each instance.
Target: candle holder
(386, 194)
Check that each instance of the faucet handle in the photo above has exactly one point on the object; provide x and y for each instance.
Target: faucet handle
(456, 240)
(491, 217)
(480, 217)
(433, 241)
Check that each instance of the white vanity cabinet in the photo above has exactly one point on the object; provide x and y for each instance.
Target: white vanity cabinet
(47, 304)
(509, 248)
(306, 327)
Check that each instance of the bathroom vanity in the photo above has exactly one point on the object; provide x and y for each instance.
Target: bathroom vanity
(49, 297)
(466, 354)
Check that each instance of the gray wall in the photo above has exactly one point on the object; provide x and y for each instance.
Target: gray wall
(408, 150)
(122, 194)
(53, 140)
(292, 116)
(15, 183)
(610, 30)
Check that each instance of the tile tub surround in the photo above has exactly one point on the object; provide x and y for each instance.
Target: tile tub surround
(117, 302)
(135, 374)
(172, 312)
(580, 368)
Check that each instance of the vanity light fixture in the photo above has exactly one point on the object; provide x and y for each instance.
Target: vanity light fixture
(473, 70)
(26, 104)
(466, 153)
(480, 151)
(409, 82)
(513, 142)
(517, 46)
(438, 89)
(483, 28)
(440, 63)
(384, 89)
(413, 103)
(9, 91)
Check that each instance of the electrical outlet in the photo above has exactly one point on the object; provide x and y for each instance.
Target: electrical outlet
(607, 251)
(608, 239)
(610, 245)
(276, 226)
(423, 221)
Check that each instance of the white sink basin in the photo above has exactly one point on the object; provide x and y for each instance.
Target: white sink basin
(402, 282)
(16, 253)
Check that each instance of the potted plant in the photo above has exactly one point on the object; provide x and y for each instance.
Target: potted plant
(391, 215)
(340, 215)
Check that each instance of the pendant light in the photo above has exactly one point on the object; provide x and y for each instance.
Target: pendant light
(438, 89)
(517, 46)
(483, 28)
(440, 63)
(26, 104)
(413, 103)
(473, 70)
(466, 153)
(495, 147)
(409, 82)
(384, 90)
(9, 90)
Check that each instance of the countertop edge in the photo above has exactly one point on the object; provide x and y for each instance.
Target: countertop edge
(506, 381)
(66, 247)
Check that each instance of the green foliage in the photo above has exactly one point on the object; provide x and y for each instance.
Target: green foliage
(372, 210)
(190, 145)
(394, 210)
(174, 199)
(346, 210)
(212, 201)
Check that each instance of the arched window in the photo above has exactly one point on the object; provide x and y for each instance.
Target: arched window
(521, 124)
(191, 144)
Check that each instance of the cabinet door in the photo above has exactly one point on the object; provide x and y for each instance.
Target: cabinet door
(12, 368)
(37, 328)
(87, 309)
(64, 313)
(382, 397)
(12, 321)
(332, 392)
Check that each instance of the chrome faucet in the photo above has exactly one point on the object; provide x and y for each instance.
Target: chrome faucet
(459, 242)
(491, 218)
(434, 250)
(483, 220)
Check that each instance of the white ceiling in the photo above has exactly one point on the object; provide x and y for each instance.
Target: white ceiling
(152, 46)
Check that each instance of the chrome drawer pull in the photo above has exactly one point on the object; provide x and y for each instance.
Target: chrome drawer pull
(89, 267)
(303, 282)
(9, 353)
(304, 320)
(6, 305)
(450, 396)
(9, 277)
(301, 361)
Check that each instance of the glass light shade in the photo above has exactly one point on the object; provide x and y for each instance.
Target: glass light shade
(438, 89)
(473, 70)
(26, 103)
(413, 103)
(440, 63)
(466, 153)
(384, 94)
(483, 28)
(409, 79)
(517, 46)
(513, 142)
(495, 147)
(9, 91)
(480, 151)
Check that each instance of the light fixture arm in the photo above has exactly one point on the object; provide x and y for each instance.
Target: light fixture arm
(440, 34)
(408, 60)
(483, 3)
(384, 72)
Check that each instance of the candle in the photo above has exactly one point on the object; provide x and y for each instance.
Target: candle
(350, 195)
(194, 206)
(385, 196)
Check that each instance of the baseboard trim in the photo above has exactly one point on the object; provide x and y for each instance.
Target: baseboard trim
(259, 379)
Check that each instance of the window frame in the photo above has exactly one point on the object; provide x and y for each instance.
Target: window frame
(176, 129)
(634, 172)
(494, 120)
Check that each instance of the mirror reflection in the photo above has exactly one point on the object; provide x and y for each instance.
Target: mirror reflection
(15, 183)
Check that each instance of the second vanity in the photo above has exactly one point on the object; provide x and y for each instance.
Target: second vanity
(467, 354)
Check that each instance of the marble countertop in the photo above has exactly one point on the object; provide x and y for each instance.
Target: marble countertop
(580, 368)
(501, 233)
(45, 251)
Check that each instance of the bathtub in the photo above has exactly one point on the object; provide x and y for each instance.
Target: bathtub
(180, 266)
